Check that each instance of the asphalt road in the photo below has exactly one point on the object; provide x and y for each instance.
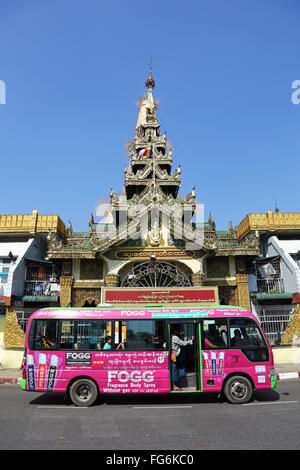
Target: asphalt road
(176, 422)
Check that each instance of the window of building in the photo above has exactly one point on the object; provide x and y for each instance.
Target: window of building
(4, 275)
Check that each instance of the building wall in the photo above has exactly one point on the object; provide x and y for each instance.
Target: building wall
(15, 284)
(289, 269)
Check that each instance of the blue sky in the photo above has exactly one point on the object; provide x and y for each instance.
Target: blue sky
(73, 70)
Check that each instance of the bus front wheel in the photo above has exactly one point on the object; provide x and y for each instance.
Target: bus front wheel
(238, 389)
(83, 392)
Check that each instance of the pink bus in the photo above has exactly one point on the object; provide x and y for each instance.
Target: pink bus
(87, 352)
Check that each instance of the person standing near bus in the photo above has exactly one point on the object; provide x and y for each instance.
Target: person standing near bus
(176, 344)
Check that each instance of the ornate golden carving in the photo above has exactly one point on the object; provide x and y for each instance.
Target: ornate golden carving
(228, 295)
(198, 279)
(269, 221)
(217, 267)
(14, 336)
(240, 265)
(66, 283)
(142, 253)
(88, 284)
(67, 268)
(91, 269)
(243, 291)
(112, 280)
(222, 283)
(293, 328)
(32, 223)
(154, 237)
(81, 296)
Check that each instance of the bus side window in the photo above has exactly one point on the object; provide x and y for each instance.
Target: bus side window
(245, 334)
(84, 335)
(68, 335)
(45, 335)
(143, 335)
(215, 334)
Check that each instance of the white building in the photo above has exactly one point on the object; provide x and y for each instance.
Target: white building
(274, 277)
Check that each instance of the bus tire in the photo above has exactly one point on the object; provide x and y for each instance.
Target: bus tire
(238, 389)
(83, 392)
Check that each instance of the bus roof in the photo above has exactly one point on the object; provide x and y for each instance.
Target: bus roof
(145, 312)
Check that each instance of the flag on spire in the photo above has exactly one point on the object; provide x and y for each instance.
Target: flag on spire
(146, 152)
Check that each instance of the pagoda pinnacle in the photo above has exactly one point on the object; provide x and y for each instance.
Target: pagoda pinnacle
(150, 83)
(147, 106)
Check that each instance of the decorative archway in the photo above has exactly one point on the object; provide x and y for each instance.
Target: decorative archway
(156, 274)
(85, 297)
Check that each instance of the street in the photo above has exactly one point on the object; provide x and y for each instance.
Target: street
(175, 422)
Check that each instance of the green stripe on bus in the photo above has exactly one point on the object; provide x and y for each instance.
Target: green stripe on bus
(180, 315)
(200, 358)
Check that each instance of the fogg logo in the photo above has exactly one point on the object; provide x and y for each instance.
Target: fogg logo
(80, 355)
(78, 358)
(135, 376)
(131, 313)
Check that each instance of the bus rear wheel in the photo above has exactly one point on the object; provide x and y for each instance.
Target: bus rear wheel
(83, 392)
(238, 389)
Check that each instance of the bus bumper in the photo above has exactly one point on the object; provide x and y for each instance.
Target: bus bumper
(23, 384)
(273, 381)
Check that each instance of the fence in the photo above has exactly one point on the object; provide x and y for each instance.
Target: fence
(274, 320)
(42, 288)
(270, 286)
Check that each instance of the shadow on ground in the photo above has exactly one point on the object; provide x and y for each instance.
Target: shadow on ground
(181, 398)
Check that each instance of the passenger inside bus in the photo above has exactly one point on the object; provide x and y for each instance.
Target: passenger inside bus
(150, 340)
(237, 341)
(223, 335)
(107, 344)
(211, 337)
(214, 334)
(208, 344)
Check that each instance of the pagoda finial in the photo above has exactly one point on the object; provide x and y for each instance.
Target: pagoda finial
(150, 80)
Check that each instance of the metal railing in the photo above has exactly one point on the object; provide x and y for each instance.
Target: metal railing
(41, 288)
(270, 286)
(23, 316)
(274, 320)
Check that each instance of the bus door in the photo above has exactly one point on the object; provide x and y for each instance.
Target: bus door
(188, 362)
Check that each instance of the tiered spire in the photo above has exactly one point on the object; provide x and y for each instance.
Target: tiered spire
(149, 184)
(150, 158)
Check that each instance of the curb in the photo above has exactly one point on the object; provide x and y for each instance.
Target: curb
(288, 375)
(10, 380)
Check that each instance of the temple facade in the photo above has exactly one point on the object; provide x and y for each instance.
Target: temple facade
(151, 236)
